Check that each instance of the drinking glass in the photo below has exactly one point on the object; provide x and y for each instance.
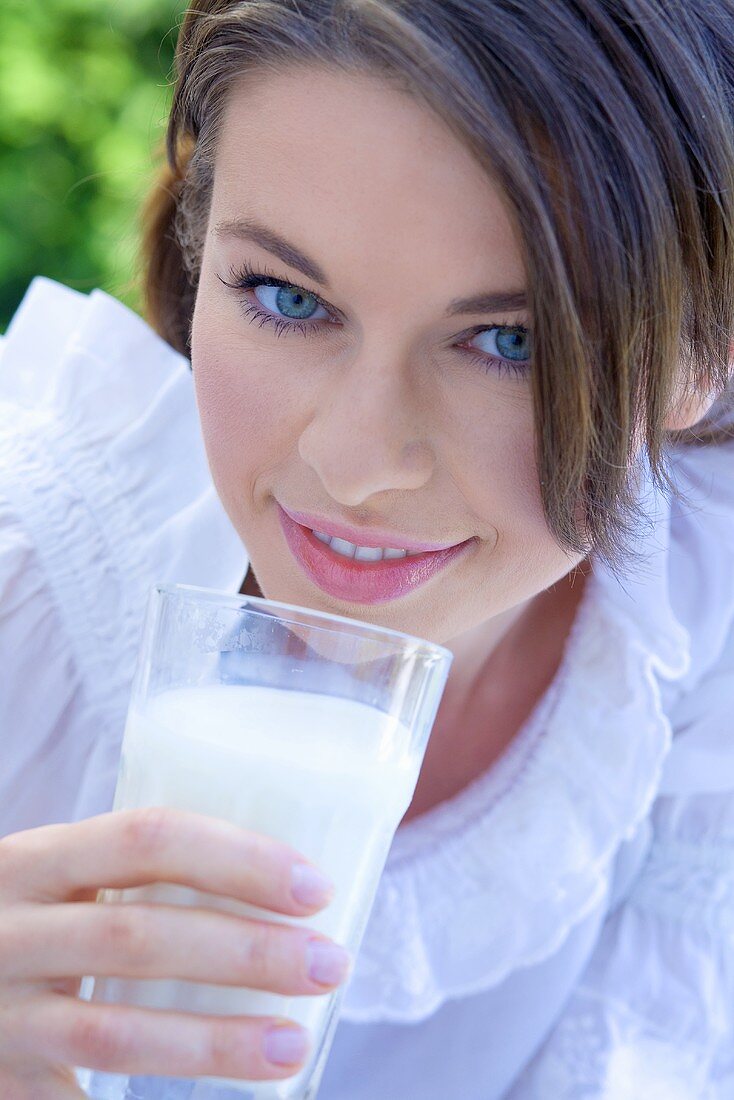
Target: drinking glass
(302, 725)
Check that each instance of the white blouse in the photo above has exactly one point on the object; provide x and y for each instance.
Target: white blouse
(563, 927)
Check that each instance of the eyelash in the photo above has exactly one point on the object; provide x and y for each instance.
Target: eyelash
(245, 278)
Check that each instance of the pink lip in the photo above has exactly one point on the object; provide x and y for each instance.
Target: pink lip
(363, 537)
(363, 582)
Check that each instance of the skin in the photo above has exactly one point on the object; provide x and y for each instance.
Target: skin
(384, 417)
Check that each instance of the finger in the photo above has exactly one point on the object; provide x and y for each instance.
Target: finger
(125, 940)
(55, 1083)
(155, 844)
(119, 1039)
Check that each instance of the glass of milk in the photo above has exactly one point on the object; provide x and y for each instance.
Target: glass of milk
(305, 726)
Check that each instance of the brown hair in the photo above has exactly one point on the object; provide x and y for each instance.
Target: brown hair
(609, 125)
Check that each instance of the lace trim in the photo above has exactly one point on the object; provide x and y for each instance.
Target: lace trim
(602, 1048)
(688, 882)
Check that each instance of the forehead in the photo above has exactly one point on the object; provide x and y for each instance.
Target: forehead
(350, 162)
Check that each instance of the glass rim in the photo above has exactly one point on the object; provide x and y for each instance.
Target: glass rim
(301, 615)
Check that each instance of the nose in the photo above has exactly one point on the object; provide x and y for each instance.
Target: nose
(365, 435)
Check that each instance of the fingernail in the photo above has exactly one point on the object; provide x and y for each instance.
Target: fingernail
(284, 1044)
(328, 963)
(309, 886)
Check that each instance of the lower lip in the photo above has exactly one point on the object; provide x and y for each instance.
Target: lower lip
(364, 582)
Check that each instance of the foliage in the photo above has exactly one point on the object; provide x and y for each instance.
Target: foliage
(85, 89)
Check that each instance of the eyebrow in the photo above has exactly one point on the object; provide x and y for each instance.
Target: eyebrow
(249, 229)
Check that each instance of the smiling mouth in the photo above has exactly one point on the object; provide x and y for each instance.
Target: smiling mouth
(364, 581)
(362, 544)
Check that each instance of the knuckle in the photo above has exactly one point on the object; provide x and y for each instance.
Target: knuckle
(272, 859)
(11, 854)
(146, 832)
(234, 1048)
(224, 1047)
(97, 1040)
(12, 945)
(126, 936)
(15, 1087)
(262, 852)
(255, 958)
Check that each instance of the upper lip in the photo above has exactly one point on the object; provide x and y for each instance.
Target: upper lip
(363, 536)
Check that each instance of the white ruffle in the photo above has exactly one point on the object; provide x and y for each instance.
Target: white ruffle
(495, 878)
(702, 590)
(40, 693)
(653, 1013)
(702, 552)
(102, 462)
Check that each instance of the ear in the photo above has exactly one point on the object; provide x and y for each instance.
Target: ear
(689, 409)
(690, 405)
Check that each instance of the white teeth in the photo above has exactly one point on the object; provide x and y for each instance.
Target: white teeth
(363, 553)
(368, 553)
(343, 547)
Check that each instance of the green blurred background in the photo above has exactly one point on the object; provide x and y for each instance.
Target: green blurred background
(84, 92)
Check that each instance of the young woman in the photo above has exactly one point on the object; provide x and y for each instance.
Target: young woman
(444, 273)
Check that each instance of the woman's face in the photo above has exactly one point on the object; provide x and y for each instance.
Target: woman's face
(382, 407)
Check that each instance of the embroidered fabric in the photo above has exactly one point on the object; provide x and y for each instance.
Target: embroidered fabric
(665, 1029)
(603, 1051)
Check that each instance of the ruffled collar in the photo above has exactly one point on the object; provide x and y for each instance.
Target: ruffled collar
(495, 878)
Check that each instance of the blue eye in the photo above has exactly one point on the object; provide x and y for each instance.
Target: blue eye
(297, 304)
(291, 308)
(509, 341)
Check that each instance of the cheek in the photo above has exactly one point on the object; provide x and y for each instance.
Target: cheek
(506, 495)
(502, 465)
(228, 409)
(525, 542)
(238, 416)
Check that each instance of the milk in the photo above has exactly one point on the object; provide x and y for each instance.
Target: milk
(330, 776)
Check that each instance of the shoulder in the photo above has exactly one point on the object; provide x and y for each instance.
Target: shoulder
(106, 467)
(701, 594)
(105, 490)
(655, 1004)
(701, 560)
(65, 351)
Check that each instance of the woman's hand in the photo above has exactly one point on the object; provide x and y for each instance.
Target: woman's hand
(52, 933)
